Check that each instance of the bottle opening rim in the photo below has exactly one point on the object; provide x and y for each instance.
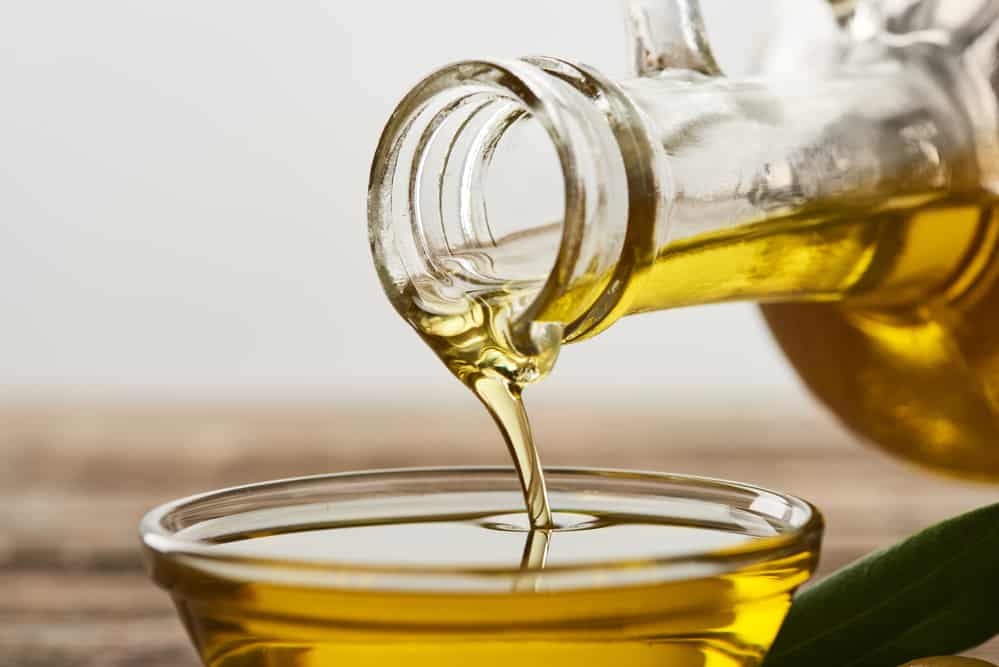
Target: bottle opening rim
(608, 180)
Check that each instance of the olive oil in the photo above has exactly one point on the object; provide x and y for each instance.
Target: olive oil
(473, 341)
(889, 313)
(888, 309)
(610, 594)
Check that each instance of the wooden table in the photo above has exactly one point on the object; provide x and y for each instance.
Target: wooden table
(75, 482)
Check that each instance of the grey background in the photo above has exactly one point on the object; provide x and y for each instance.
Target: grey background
(182, 202)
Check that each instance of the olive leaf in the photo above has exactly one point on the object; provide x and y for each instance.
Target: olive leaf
(935, 593)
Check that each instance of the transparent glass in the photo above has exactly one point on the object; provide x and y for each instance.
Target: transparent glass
(856, 200)
(676, 604)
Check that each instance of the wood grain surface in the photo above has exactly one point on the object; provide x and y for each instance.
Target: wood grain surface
(76, 480)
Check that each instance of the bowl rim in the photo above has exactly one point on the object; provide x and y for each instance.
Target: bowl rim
(160, 541)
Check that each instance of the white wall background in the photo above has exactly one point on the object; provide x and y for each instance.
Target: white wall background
(182, 193)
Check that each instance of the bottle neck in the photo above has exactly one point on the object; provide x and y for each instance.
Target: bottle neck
(587, 200)
(520, 177)
(807, 189)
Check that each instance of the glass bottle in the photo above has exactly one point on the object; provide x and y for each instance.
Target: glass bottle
(855, 201)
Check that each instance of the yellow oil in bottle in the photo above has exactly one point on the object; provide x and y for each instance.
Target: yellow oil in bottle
(889, 313)
(920, 378)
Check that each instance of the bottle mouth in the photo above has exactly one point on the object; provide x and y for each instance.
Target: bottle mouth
(502, 176)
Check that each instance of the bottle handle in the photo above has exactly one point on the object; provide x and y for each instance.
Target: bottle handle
(669, 34)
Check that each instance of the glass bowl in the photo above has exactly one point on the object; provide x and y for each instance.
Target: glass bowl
(643, 569)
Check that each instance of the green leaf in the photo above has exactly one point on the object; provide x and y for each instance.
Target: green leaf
(936, 593)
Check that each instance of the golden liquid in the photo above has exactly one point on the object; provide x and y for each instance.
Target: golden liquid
(722, 620)
(473, 342)
(889, 313)
(888, 310)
